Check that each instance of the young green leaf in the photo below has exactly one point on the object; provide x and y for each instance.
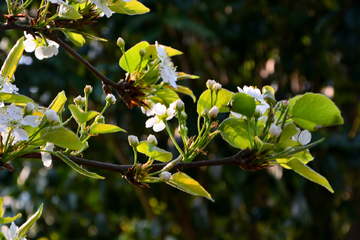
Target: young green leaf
(224, 97)
(23, 229)
(243, 103)
(154, 152)
(151, 52)
(75, 38)
(62, 137)
(1, 209)
(130, 8)
(15, 98)
(7, 220)
(235, 132)
(77, 167)
(80, 116)
(133, 57)
(308, 173)
(184, 90)
(312, 110)
(102, 128)
(58, 103)
(182, 75)
(262, 146)
(69, 12)
(288, 131)
(167, 95)
(185, 183)
(12, 60)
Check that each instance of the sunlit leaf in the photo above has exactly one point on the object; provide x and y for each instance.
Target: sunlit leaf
(102, 128)
(130, 8)
(62, 137)
(243, 104)
(58, 103)
(80, 116)
(23, 229)
(154, 152)
(12, 60)
(133, 57)
(7, 220)
(75, 38)
(235, 132)
(15, 98)
(224, 97)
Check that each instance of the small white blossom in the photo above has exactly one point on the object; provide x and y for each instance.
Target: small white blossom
(52, 117)
(152, 139)
(161, 113)
(7, 86)
(274, 131)
(179, 105)
(79, 100)
(213, 112)
(14, 120)
(46, 157)
(110, 98)
(303, 137)
(10, 233)
(210, 83)
(133, 140)
(148, 111)
(167, 70)
(43, 48)
(217, 87)
(165, 176)
(103, 5)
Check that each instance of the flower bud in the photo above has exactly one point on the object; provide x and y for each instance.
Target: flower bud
(205, 112)
(257, 113)
(210, 83)
(29, 108)
(269, 98)
(165, 176)
(284, 104)
(133, 140)
(120, 42)
(183, 116)
(217, 87)
(213, 112)
(183, 131)
(110, 98)
(52, 117)
(179, 106)
(274, 131)
(100, 119)
(152, 139)
(88, 89)
(79, 101)
(142, 52)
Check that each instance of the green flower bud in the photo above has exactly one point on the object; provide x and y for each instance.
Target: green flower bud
(165, 176)
(100, 119)
(133, 140)
(29, 109)
(120, 42)
(110, 98)
(183, 116)
(79, 101)
(210, 83)
(205, 113)
(179, 106)
(213, 112)
(88, 89)
(142, 52)
(152, 139)
(270, 98)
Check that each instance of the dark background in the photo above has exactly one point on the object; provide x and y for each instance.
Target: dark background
(315, 44)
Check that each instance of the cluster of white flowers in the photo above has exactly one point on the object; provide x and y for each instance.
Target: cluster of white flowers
(167, 70)
(43, 48)
(161, 113)
(11, 233)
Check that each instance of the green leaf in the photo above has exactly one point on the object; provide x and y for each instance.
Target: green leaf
(15, 98)
(69, 12)
(166, 95)
(2, 237)
(185, 183)
(235, 132)
(151, 77)
(87, 35)
(7, 220)
(224, 97)
(58, 103)
(75, 38)
(184, 90)
(133, 57)
(308, 173)
(288, 131)
(102, 128)
(12, 60)
(23, 229)
(1, 209)
(151, 52)
(130, 8)
(77, 167)
(182, 75)
(262, 146)
(243, 103)
(62, 137)
(154, 152)
(81, 116)
(304, 156)
(312, 110)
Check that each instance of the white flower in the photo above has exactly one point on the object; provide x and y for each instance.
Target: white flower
(152, 139)
(213, 112)
(165, 176)
(57, 2)
(303, 137)
(274, 131)
(10, 234)
(161, 113)
(46, 157)
(29, 108)
(102, 4)
(79, 100)
(7, 86)
(133, 140)
(167, 70)
(210, 83)
(52, 117)
(217, 87)
(43, 48)
(14, 120)
(179, 106)
(110, 98)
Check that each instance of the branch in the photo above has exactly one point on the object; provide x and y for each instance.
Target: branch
(242, 159)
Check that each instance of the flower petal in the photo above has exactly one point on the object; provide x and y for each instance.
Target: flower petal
(159, 126)
(31, 120)
(20, 135)
(304, 137)
(14, 113)
(151, 122)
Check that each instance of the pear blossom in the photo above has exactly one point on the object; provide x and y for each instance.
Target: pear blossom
(165, 176)
(46, 157)
(213, 112)
(210, 83)
(167, 70)
(303, 137)
(7, 86)
(110, 98)
(10, 233)
(275, 131)
(43, 48)
(152, 139)
(52, 117)
(217, 87)
(133, 140)
(14, 120)
(161, 113)
(29, 108)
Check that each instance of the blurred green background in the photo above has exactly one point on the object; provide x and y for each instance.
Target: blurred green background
(295, 46)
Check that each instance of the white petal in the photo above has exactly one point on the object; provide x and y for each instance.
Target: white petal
(304, 137)
(3, 128)
(29, 44)
(54, 50)
(46, 158)
(14, 113)
(46, 51)
(9, 88)
(151, 122)
(159, 126)
(13, 229)
(39, 53)
(31, 120)
(159, 109)
(6, 231)
(20, 135)
(3, 119)
(49, 147)
(237, 115)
